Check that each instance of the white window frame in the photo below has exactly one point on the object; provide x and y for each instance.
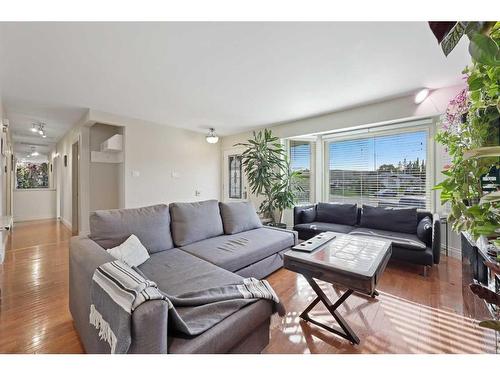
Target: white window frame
(383, 130)
(312, 167)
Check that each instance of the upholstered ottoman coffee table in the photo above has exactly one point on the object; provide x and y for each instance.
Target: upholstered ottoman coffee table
(354, 262)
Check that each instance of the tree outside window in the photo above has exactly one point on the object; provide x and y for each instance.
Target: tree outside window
(32, 175)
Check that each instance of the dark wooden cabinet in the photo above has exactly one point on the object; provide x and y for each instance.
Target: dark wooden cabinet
(473, 269)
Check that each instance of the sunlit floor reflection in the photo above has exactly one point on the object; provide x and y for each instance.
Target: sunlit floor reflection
(387, 324)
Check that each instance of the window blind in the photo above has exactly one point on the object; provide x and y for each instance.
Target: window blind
(385, 170)
(300, 160)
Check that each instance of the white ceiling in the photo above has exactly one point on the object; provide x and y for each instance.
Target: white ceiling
(231, 76)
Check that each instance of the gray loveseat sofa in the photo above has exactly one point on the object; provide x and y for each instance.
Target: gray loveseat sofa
(415, 234)
(192, 246)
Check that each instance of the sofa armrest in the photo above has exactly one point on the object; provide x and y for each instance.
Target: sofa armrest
(149, 332)
(436, 238)
(294, 233)
(297, 210)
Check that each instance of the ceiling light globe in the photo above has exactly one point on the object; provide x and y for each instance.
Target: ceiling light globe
(212, 137)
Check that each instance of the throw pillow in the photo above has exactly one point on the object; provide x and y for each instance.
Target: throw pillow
(308, 215)
(424, 230)
(239, 217)
(131, 252)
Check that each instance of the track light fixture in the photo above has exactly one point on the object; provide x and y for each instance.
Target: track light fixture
(39, 127)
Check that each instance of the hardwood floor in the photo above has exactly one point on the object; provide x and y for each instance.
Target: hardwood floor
(34, 314)
(413, 314)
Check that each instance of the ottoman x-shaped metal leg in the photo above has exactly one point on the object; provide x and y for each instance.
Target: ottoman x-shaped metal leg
(347, 331)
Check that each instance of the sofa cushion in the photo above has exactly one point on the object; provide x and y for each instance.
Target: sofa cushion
(308, 215)
(238, 217)
(236, 251)
(110, 228)
(318, 227)
(389, 218)
(195, 221)
(177, 272)
(398, 239)
(132, 252)
(337, 213)
(424, 230)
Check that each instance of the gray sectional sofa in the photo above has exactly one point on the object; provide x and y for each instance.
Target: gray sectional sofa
(192, 246)
(415, 234)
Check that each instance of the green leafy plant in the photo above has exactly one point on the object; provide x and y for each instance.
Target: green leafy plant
(267, 168)
(471, 134)
(471, 123)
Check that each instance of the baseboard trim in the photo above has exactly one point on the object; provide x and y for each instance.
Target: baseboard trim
(32, 218)
(66, 223)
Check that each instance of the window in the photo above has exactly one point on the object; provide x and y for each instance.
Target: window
(235, 174)
(32, 175)
(384, 170)
(300, 160)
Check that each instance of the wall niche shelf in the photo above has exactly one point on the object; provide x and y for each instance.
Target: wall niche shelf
(113, 144)
(111, 151)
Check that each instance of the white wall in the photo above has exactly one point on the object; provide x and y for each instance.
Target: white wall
(6, 172)
(172, 163)
(162, 164)
(80, 132)
(106, 178)
(34, 204)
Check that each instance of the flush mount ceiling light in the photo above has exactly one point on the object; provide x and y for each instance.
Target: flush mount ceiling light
(421, 95)
(212, 137)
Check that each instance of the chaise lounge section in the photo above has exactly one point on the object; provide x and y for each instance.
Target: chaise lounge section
(189, 251)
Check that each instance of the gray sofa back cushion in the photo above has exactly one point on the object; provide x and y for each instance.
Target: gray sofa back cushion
(337, 213)
(110, 228)
(196, 221)
(238, 217)
(389, 218)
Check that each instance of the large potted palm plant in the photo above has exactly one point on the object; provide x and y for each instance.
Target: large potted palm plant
(267, 168)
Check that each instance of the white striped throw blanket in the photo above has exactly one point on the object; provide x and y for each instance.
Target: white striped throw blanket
(117, 290)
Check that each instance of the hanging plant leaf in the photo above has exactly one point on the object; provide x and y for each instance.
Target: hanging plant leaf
(490, 198)
(452, 38)
(484, 50)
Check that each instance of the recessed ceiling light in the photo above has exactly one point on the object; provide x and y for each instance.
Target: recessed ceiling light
(421, 95)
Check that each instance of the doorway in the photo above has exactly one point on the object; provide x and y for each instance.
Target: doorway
(75, 193)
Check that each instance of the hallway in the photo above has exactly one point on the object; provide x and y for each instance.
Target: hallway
(34, 315)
